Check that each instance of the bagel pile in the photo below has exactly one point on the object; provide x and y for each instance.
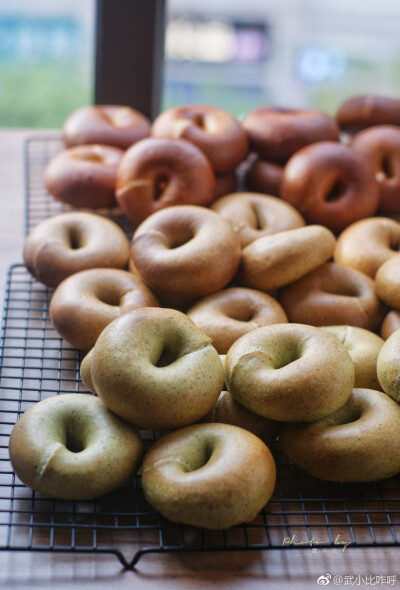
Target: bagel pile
(258, 299)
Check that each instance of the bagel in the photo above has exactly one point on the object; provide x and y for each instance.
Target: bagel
(213, 130)
(333, 294)
(209, 475)
(330, 184)
(357, 443)
(113, 125)
(365, 110)
(70, 447)
(86, 302)
(84, 176)
(279, 259)
(156, 173)
(289, 372)
(387, 281)
(264, 177)
(253, 215)
(69, 242)
(388, 366)
(154, 368)
(228, 314)
(390, 324)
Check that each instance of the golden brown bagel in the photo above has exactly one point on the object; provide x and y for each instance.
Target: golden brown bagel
(387, 281)
(366, 110)
(69, 242)
(114, 125)
(277, 133)
(329, 183)
(209, 475)
(157, 173)
(84, 176)
(388, 366)
(228, 314)
(279, 259)
(390, 324)
(156, 369)
(363, 347)
(213, 130)
(289, 372)
(254, 215)
(333, 294)
(86, 302)
(366, 244)
(71, 447)
(186, 252)
(357, 443)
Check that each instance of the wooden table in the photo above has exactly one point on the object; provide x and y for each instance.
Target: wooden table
(277, 568)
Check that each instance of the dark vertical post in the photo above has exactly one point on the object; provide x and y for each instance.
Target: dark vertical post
(130, 53)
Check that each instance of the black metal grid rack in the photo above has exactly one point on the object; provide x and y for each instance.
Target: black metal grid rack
(37, 363)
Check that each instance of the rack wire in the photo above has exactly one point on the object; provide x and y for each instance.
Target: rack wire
(36, 363)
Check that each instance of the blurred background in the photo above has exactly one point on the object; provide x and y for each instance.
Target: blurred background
(237, 55)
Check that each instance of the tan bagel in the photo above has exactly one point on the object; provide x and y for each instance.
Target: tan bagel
(276, 133)
(86, 371)
(86, 302)
(228, 314)
(114, 125)
(388, 366)
(390, 324)
(363, 347)
(289, 372)
(357, 443)
(186, 251)
(71, 447)
(366, 110)
(333, 294)
(228, 411)
(209, 475)
(69, 242)
(264, 177)
(213, 130)
(380, 147)
(329, 183)
(387, 281)
(84, 176)
(157, 173)
(156, 369)
(254, 215)
(367, 244)
(279, 259)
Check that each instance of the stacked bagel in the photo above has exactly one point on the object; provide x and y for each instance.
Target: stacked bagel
(232, 317)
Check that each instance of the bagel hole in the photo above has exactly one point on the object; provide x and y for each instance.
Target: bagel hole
(180, 238)
(198, 120)
(335, 193)
(242, 314)
(343, 290)
(74, 238)
(160, 184)
(203, 458)
(257, 224)
(346, 415)
(110, 298)
(74, 442)
(288, 355)
(166, 358)
(387, 167)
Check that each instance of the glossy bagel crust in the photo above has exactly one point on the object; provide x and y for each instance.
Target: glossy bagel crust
(366, 244)
(84, 176)
(289, 372)
(69, 242)
(228, 411)
(380, 148)
(157, 173)
(254, 215)
(333, 294)
(264, 177)
(213, 130)
(388, 366)
(387, 281)
(363, 347)
(277, 133)
(113, 125)
(86, 302)
(279, 259)
(366, 110)
(209, 475)
(357, 443)
(329, 183)
(154, 368)
(186, 251)
(71, 447)
(228, 314)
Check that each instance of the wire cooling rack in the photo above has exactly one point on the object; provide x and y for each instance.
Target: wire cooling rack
(36, 363)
